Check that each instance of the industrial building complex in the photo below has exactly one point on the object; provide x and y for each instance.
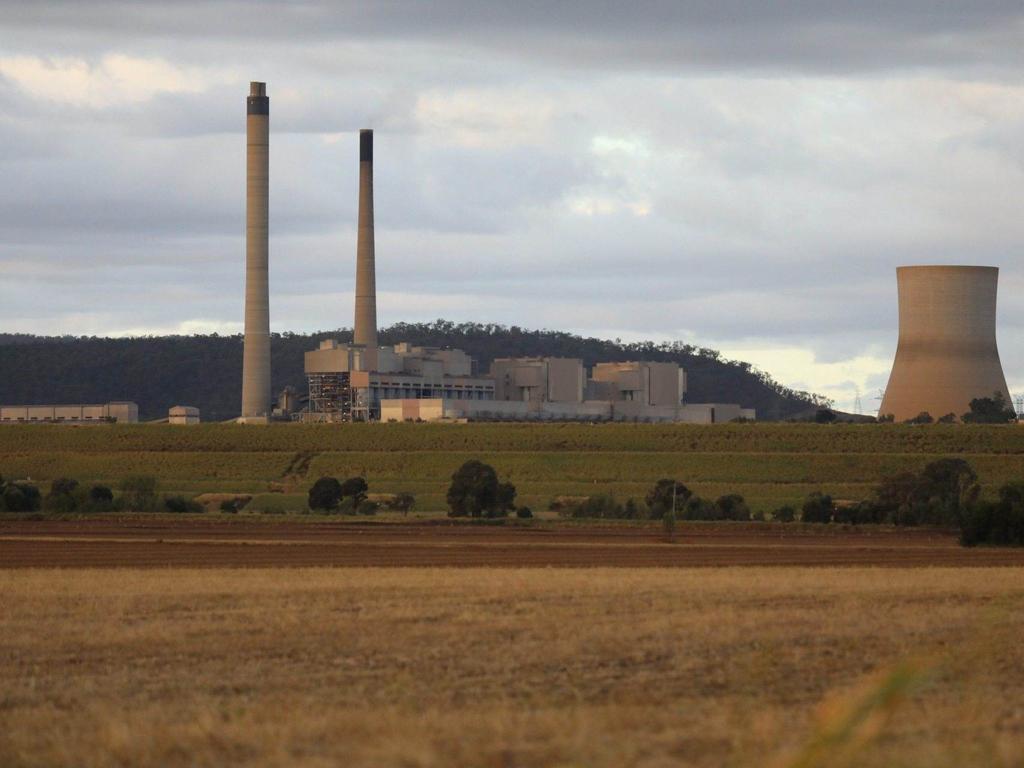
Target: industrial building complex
(362, 381)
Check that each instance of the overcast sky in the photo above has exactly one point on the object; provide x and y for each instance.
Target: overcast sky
(739, 175)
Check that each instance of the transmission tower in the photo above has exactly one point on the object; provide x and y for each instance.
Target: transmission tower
(857, 407)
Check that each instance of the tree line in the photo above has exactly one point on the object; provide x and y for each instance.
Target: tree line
(205, 371)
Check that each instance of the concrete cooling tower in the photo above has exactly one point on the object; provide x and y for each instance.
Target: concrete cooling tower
(947, 353)
(256, 350)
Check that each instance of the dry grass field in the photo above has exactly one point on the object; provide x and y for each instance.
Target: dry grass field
(512, 667)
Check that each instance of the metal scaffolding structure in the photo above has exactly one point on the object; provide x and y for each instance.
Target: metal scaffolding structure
(330, 395)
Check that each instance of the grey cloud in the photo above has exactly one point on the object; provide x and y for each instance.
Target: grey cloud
(839, 35)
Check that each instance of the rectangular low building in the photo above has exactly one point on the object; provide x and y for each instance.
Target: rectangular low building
(123, 412)
(539, 379)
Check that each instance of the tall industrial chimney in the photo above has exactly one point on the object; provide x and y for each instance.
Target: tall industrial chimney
(365, 330)
(947, 353)
(256, 352)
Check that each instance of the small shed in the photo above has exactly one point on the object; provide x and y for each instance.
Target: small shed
(183, 414)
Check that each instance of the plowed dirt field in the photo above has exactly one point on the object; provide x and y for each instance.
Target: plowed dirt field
(217, 543)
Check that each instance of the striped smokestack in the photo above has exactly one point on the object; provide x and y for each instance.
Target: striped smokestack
(256, 351)
(365, 331)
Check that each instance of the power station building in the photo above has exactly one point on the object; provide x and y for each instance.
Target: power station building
(947, 354)
(362, 381)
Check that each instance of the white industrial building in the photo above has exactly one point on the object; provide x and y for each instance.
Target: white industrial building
(122, 412)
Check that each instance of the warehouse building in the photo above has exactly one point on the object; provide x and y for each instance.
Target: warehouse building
(122, 412)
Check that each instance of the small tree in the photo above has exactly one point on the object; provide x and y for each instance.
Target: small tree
(990, 410)
(732, 506)
(355, 488)
(668, 523)
(524, 513)
(64, 495)
(949, 418)
(21, 497)
(99, 499)
(699, 509)
(817, 508)
(325, 495)
(476, 492)
(506, 498)
(403, 502)
(667, 494)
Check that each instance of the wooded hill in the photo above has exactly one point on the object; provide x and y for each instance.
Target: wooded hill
(206, 371)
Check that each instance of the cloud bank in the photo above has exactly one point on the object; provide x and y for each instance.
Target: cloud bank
(739, 175)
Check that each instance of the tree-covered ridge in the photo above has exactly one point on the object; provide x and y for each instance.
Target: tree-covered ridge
(158, 372)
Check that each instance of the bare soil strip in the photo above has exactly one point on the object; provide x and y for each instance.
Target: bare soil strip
(212, 543)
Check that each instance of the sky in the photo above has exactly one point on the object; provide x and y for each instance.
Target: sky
(744, 176)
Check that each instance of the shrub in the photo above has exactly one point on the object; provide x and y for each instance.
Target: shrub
(949, 418)
(99, 499)
(402, 502)
(922, 418)
(100, 494)
(325, 495)
(476, 492)
(632, 511)
(506, 497)
(65, 496)
(229, 506)
(817, 508)
(990, 410)
(863, 513)
(784, 514)
(63, 486)
(355, 488)
(699, 509)
(180, 504)
(824, 416)
(732, 506)
(524, 513)
(21, 497)
(602, 506)
(366, 507)
(138, 493)
(999, 524)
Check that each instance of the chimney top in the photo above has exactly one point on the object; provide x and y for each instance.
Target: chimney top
(366, 145)
(257, 88)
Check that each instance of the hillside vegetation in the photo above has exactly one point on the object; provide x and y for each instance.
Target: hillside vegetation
(769, 464)
(206, 371)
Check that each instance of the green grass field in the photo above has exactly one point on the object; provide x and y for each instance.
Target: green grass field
(770, 464)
